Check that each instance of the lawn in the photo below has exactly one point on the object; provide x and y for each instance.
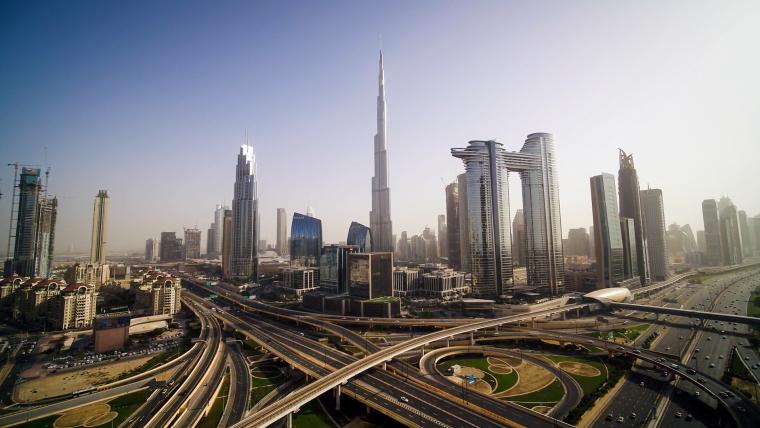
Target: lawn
(629, 334)
(499, 382)
(264, 378)
(548, 394)
(311, 416)
(588, 384)
(753, 306)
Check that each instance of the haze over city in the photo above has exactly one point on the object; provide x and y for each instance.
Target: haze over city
(151, 102)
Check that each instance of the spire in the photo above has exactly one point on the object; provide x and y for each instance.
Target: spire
(381, 77)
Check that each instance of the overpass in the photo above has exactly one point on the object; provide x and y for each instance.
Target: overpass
(689, 313)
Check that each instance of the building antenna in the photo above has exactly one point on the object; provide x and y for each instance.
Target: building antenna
(47, 170)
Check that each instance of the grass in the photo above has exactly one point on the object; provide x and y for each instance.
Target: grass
(738, 369)
(499, 382)
(46, 422)
(629, 334)
(753, 306)
(311, 416)
(588, 384)
(261, 386)
(211, 420)
(551, 393)
(385, 299)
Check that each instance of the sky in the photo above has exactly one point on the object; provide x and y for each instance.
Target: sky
(151, 101)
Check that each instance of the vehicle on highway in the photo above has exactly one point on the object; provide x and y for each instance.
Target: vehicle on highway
(404, 399)
(620, 419)
(678, 414)
(610, 417)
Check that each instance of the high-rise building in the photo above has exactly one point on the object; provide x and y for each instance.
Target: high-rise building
(210, 242)
(630, 207)
(151, 250)
(403, 249)
(465, 238)
(171, 247)
(218, 227)
(227, 244)
(713, 249)
(380, 216)
(653, 212)
(305, 240)
(282, 232)
(245, 216)
(443, 238)
(578, 243)
(370, 275)
(452, 226)
(746, 236)
(360, 236)
(333, 267)
(99, 228)
(519, 244)
(35, 228)
(701, 244)
(730, 237)
(192, 243)
(487, 193)
(608, 238)
(754, 230)
(627, 232)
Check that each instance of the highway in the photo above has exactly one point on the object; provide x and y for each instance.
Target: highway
(240, 386)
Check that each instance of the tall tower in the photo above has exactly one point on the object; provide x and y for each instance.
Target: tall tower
(245, 216)
(452, 226)
(713, 248)
(608, 238)
(630, 207)
(380, 216)
(653, 212)
(29, 195)
(518, 238)
(443, 238)
(99, 228)
(282, 232)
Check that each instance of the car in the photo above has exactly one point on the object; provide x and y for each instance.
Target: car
(404, 399)
(729, 393)
(707, 357)
(633, 415)
(696, 350)
(709, 338)
(610, 417)
(720, 357)
(696, 393)
(712, 365)
(723, 337)
(723, 394)
(689, 417)
(691, 371)
(678, 414)
(641, 383)
(741, 409)
(621, 419)
(701, 380)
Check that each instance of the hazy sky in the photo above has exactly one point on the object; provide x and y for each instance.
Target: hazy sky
(151, 101)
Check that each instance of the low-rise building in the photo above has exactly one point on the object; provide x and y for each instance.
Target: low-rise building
(405, 281)
(51, 304)
(75, 306)
(158, 293)
(111, 332)
(445, 284)
(299, 279)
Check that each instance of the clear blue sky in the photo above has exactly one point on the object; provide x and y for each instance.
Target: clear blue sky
(151, 100)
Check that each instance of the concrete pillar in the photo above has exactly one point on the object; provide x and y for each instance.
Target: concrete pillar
(422, 349)
(448, 342)
(564, 316)
(577, 312)
(289, 420)
(533, 322)
(337, 397)
(472, 338)
(385, 365)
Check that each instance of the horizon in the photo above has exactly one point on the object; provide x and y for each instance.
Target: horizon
(157, 122)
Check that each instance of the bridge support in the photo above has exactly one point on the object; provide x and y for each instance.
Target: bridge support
(385, 365)
(289, 420)
(337, 397)
(472, 338)
(564, 316)
(533, 322)
(448, 342)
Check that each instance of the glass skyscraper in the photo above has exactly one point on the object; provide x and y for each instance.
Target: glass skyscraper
(305, 240)
(713, 248)
(333, 267)
(608, 240)
(630, 207)
(245, 216)
(360, 236)
(653, 211)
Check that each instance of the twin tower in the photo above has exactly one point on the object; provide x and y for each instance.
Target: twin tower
(487, 242)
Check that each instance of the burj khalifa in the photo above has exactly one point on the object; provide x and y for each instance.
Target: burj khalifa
(381, 226)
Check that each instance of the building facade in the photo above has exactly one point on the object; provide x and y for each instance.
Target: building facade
(281, 245)
(226, 250)
(370, 275)
(245, 216)
(151, 250)
(406, 281)
(380, 216)
(452, 226)
(607, 235)
(171, 247)
(653, 210)
(446, 284)
(713, 248)
(300, 280)
(519, 245)
(75, 306)
(192, 243)
(305, 240)
(99, 240)
(730, 235)
(333, 267)
(630, 207)
(360, 236)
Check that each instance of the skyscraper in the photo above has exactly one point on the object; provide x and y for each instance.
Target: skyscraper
(630, 207)
(730, 237)
(171, 247)
(653, 212)
(443, 237)
(487, 193)
(608, 238)
(464, 224)
(226, 249)
(630, 265)
(713, 249)
(578, 243)
(47, 212)
(99, 228)
(333, 267)
(218, 226)
(360, 236)
(282, 232)
(305, 240)
(452, 226)
(519, 245)
(210, 242)
(192, 243)
(245, 216)
(746, 236)
(380, 216)
(701, 244)
(151, 250)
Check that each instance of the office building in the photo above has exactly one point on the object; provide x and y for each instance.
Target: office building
(519, 244)
(305, 240)
(607, 235)
(218, 226)
(110, 332)
(151, 250)
(300, 280)
(445, 284)
(99, 228)
(370, 275)
(406, 281)
(627, 233)
(192, 243)
(452, 226)
(713, 246)
(630, 207)
(746, 236)
(578, 243)
(754, 230)
(403, 247)
(47, 212)
(245, 216)
(701, 241)
(380, 216)
(210, 242)
(75, 307)
(360, 236)
(730, 237)
(171, 247)
(443, 237)
(226, 249)
(653, 212)
(281, 245)
(333, 267)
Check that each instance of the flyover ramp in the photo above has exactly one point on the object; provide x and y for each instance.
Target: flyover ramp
(689, 313)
